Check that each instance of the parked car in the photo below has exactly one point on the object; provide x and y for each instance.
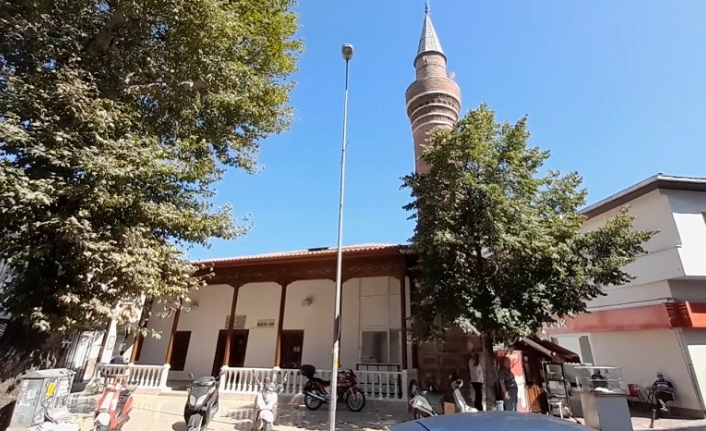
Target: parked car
(490, 421)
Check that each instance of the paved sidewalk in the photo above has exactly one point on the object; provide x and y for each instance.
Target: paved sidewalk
(163, 413)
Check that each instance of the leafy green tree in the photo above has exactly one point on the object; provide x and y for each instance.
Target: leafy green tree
(499, 242)
(117, 118)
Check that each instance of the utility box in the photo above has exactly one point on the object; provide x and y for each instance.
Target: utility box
(41, 391)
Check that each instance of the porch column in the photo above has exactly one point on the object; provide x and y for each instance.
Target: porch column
(231, 322)
(175, 325)
(280, 322)
(139, 338)
(415, 346)
(403, 315)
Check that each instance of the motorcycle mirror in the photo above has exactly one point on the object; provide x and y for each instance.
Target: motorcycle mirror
(191, 376)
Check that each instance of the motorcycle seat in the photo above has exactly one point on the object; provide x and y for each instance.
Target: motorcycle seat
(321, 381)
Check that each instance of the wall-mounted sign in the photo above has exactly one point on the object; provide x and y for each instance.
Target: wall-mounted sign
(238, 321)
(557, 324)
(266, 323)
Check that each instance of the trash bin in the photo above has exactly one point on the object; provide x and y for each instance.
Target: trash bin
(41, 391)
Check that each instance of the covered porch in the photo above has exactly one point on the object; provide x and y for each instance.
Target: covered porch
(267, 315)
(377, 385)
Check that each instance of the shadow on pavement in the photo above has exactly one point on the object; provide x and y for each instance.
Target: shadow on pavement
(292, 416)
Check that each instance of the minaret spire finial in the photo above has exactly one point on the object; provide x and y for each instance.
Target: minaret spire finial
(426, 7)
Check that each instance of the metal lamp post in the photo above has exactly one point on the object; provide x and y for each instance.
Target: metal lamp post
(347, 53)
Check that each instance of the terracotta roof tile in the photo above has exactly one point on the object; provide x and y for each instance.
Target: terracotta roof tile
(312, 252)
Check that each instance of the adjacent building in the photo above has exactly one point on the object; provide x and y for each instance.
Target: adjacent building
(656, 323)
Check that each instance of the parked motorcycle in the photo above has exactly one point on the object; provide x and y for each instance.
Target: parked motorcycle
(114, 408)
(201, 402)
(266, 402)
(347, 390)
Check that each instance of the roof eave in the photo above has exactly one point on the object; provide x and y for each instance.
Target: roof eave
(659, 181)
(392, 250)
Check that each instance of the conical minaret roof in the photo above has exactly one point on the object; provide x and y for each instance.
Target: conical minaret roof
(433, 100)
(429, 41)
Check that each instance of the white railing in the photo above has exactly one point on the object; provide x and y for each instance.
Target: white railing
(381, 385)
(143, 376)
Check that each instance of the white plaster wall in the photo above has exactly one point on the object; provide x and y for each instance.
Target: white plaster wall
(316, 320)
(695, 342)
(380, 304)
(632, 296)
(259, 301)
(688, 290)
(204, 322)
(351, 324)
(688, 208)
(641, 354)
(367, 304)
(652, 211)
(570, 342)
(154, 348)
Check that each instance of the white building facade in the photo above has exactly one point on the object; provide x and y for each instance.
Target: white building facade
(656, 323)
(274, 313)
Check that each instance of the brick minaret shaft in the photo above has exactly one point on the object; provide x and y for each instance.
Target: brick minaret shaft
(433, 99)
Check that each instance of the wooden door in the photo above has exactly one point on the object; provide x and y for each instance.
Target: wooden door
(291, 344)
(238, 347)
(180, 348)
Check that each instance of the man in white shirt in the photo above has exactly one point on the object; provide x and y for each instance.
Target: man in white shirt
(477, 379)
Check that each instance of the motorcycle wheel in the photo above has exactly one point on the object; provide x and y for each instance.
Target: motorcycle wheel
(194, 424)
(312, 403)
(355, 401)
(98, 427)
(267, 426)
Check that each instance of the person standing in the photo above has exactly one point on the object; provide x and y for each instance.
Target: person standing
(508, 385)
(119, 359)
(477, 379)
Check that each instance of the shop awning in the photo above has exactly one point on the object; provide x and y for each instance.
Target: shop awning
(550, 350)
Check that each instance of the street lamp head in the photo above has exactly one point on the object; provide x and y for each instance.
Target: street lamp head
(347, 51)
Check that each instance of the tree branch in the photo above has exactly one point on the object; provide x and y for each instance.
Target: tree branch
(104, 38)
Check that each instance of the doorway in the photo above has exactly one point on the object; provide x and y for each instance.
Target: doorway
(238, 347)
(291, 345)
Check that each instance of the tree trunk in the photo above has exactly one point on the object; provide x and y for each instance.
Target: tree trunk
(491, 373)
(22, 349)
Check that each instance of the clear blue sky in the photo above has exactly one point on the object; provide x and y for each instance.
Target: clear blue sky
(615, 89)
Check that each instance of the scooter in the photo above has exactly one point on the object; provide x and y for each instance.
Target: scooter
(114, 408)
(421, 407)
(201, 402)
(461, 404)
(266, 402)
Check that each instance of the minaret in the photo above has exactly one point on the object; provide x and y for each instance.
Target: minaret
(433, 99)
